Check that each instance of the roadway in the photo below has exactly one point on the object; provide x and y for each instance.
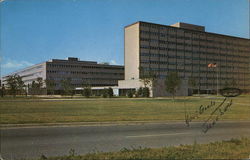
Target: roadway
(32, 142)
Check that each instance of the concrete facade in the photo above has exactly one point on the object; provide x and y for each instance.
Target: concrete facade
(186, 49)
(79, 72)
(84, 72)
(132, 49)
(30, 74)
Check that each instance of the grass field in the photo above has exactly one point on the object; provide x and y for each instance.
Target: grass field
(22, 111)
(232, 149)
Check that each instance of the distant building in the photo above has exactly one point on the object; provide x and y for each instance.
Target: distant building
(79, 72)
(213, 60)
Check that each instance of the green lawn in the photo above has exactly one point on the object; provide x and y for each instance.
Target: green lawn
(21, 110)
(232, 149)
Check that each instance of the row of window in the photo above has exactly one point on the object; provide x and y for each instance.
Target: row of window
(183, 44)
(84, 79)
(193, 71)
(215, 78)
(245, 81)
(189, 57)
(80, 72)
(207, 39)
(93, 84)
(195, 58)
(183, 50)
(100, 79)
(79, 66)
(221, 84)
(192, 64)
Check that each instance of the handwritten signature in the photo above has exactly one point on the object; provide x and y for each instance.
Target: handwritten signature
(214, 115)
(197, 113)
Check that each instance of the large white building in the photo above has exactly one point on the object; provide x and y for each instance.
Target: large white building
(187, 50)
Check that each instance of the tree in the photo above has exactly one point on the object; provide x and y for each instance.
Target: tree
(3, 90)
(110, 92)
(130, 94)
(15, 84)
(86, 91)
(149, 80)
(39, 82)
(172, 83)
(147, 77)
(33, 87)
(139, 92)
(143, 92)
(12, 84)
(192, 83)
(105, 93)
(36, 86)
(67, 86)
(50, 85)
(20, 84)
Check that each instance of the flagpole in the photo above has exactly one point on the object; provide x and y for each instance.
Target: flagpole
(214, 65)
(217, 80)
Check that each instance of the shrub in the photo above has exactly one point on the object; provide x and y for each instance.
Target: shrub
(110, 92)
(145, 92)
(130, 94)
(139, 92)
(142, 92)
(105, 93)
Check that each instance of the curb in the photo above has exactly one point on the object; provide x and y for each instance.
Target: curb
(41, 125)
(46, 125)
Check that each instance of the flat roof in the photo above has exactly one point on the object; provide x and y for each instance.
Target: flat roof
(60, 60)
(65, 60)
(217, 34)
(23, 69)
(189, 26)
(76, 60)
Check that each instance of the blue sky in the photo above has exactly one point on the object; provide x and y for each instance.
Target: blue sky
(33, 31)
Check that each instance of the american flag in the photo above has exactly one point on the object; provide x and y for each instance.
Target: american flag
(211, 65)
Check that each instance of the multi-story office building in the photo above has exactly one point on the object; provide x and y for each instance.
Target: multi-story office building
(159, 49)
(188, 50)
(80, 72)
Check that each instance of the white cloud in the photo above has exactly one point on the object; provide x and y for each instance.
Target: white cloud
(13, 64)
(113, 62)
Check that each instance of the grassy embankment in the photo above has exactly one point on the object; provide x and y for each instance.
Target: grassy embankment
(232, 149)
(22, 111)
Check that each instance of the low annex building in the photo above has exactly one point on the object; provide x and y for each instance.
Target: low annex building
(80, 73)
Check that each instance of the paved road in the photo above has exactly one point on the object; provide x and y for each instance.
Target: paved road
(19, 143)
